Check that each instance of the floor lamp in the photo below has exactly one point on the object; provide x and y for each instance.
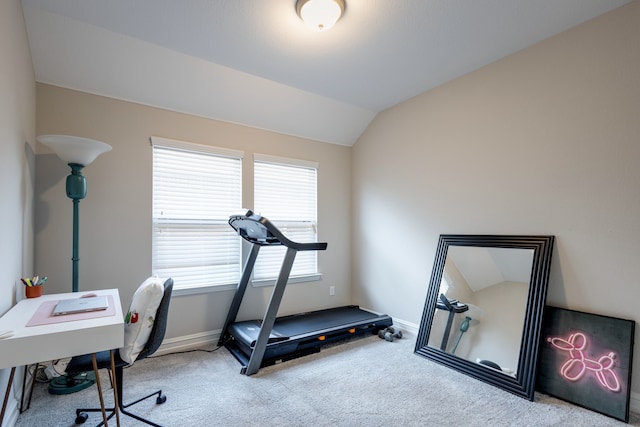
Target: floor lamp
(77, 153)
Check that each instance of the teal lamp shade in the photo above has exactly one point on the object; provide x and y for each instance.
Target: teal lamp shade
(77, 152)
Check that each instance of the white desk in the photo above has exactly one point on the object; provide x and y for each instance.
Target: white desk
(33, 344)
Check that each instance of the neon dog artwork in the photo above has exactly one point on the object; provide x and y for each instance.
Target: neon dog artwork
(578, 363)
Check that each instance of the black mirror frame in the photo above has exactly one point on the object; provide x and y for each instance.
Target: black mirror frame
(523, 384)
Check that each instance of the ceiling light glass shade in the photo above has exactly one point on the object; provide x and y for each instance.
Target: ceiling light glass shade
(320, 15)
(74, 149)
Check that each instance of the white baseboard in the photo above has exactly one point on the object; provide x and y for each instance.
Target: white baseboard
(405, 326)
(187, 342)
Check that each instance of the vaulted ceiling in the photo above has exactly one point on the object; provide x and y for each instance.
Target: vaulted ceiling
(255, 63)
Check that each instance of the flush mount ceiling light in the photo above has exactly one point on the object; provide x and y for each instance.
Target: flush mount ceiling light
(320, 15)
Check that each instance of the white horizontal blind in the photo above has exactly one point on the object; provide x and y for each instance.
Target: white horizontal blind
(195, 189)
(286, 194)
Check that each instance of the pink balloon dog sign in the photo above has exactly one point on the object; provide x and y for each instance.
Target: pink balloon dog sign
(586, 359)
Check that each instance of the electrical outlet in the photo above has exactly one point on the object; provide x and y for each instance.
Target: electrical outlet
(332, 290)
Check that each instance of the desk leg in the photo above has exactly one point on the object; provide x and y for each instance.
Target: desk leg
(24, 386)
(6, 394)
(33, 381)
(95, 371)
(114, 385)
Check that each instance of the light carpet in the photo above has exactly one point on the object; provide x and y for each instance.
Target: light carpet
(363, 382)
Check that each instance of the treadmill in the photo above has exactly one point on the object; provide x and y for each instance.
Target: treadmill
(263, 342)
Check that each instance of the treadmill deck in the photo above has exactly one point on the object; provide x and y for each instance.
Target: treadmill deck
(301, 334)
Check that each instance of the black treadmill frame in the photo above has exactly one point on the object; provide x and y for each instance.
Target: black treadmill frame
(267, 350)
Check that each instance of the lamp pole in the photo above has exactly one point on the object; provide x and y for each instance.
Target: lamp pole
(76, 190)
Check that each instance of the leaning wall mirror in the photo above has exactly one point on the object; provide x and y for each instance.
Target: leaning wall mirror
(483, 312)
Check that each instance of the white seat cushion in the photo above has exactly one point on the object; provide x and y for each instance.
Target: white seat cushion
(140, 318)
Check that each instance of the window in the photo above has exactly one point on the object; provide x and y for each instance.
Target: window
(285, 192)
(195, 189)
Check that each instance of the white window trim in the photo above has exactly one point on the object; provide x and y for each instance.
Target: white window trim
(257, 157)
(196, 148)
(292, 280)
(205, 289)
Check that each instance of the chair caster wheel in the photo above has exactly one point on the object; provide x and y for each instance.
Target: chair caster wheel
(81, 418)
(161, 399)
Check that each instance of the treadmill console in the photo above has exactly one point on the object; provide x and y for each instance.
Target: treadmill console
(259, 230)
(252, 228)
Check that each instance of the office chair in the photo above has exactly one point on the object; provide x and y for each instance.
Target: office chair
(83, 363)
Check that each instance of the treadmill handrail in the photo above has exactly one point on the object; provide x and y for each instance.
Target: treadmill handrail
(266, 233)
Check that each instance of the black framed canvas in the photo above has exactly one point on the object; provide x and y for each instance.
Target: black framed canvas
(586, 359)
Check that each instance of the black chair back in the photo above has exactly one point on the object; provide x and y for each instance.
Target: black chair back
(160, 323)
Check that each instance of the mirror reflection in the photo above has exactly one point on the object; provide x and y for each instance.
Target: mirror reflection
(481, 305)
(483, 311)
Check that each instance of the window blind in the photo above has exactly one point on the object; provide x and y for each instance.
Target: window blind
(195, 189)
(286, 193)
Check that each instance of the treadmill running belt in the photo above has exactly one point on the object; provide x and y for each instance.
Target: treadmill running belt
(320, 320)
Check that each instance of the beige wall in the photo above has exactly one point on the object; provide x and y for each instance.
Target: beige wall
(17, 162)
(115, 218)
(545, 141)
(542, 142)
